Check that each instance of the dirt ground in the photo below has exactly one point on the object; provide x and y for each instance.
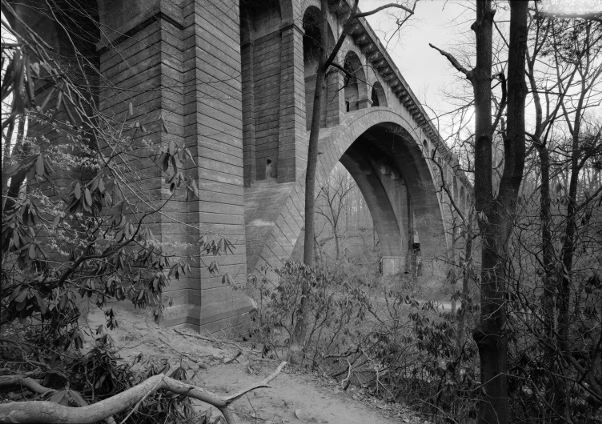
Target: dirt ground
(294, 397)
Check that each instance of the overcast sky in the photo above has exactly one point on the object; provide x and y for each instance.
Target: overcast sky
(446, 24)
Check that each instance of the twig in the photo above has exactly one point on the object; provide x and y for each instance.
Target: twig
(227, 361)
(345, 382)
(209, 339)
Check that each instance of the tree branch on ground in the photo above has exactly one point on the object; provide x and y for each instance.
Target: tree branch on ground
(45, 411)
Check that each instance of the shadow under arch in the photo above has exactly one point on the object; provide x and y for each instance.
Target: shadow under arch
(385, 221)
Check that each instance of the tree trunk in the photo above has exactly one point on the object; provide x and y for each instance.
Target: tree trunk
(312, 161)
(490, 334)
(492, 371)
(337, 245)
(466, 274)
(568, 251)
(300, 331)
(549, 289)
(496, 215)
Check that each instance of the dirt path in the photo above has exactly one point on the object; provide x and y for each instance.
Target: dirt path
(292, 398)
(295, 399)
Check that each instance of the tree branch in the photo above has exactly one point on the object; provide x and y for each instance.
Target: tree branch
(383, 7)
(23, 381)
(34, 386)
(44, 411)
(454, 62)
(502, 106)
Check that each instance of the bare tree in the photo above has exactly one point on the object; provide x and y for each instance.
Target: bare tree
(564, 70)
(333, 204)
(496, 212)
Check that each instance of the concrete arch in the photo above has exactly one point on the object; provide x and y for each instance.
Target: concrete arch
(399, 142)
(367, 134)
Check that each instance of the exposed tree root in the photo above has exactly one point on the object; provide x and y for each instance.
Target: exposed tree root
(43, 411)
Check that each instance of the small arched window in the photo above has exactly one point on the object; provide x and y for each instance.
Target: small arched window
(354, 83)
(378, 95)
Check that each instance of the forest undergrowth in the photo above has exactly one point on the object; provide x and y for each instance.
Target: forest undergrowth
(379, 334)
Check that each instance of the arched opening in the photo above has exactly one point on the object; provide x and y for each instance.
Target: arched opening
(390, 170)
(413, 197)
(354, 83)
(70, 31)
(386, 159)
(362, 215)
(312, 40)
(378, 97)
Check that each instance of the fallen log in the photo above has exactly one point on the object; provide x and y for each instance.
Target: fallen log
(44, 411)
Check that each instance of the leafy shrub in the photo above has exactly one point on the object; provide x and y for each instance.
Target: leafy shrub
(336, 310)
(391, 344)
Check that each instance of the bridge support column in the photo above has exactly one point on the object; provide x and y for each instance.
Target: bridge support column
(181, 61)
(292, 151)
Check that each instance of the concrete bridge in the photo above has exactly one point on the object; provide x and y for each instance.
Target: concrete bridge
(233, 80)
